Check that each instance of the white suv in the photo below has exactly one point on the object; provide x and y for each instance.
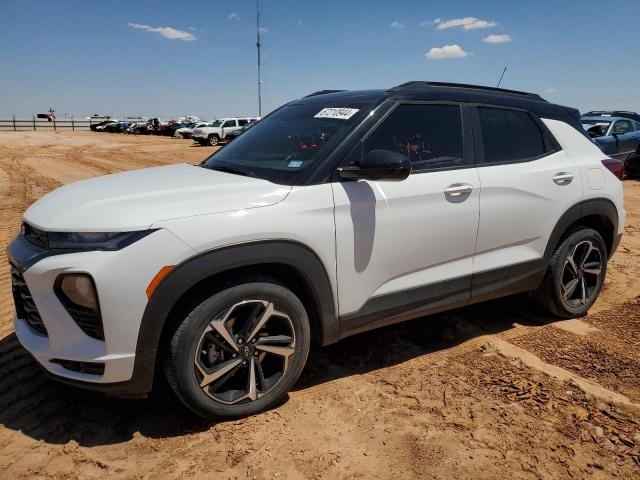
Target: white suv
(215, 132)
(338, 213)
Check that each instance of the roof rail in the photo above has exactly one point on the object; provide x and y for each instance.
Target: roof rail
(322, 92)
(423, 84)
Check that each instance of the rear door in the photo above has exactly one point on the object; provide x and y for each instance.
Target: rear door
(625, 136)
(409, 244)
(528, 183)
(229, 126)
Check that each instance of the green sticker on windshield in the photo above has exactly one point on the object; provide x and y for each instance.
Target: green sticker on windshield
(295, 163)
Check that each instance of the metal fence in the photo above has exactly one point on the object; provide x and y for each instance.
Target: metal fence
(22, 125)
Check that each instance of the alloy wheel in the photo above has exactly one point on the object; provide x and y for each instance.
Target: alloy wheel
(244, 352)
(581, 274)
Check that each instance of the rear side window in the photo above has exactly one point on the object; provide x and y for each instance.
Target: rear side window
(430, 135)
(621, 127)
(509, 135)
(242, 122)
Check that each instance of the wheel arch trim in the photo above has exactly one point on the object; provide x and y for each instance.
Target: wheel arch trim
(206, 264)
(600, 207)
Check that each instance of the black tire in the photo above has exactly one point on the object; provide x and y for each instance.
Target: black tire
(552, 294)
(213, 140)
(184, 375)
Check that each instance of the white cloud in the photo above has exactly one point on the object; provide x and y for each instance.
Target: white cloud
(504, 38)
(300, 22)
(551, 90)
(166, 32)
(427, 22)
(448, 51)
(263, 30)
(234, 16)
(467, 23)
(397, 24)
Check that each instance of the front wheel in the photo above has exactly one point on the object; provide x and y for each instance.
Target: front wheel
(575, 276)
(239, 351)
(213, 140)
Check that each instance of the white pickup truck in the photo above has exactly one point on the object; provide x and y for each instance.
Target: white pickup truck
(215, 132)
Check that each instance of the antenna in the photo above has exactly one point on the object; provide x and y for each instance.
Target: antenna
(258, 44)
(501, 77)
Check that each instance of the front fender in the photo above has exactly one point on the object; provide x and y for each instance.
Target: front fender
(204, 265)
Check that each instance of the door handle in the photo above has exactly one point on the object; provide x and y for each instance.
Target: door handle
(458, 189)
(563, 178)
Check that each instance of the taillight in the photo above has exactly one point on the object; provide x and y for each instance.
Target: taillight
(614, 166)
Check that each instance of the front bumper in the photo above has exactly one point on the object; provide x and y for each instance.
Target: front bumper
(121, 278)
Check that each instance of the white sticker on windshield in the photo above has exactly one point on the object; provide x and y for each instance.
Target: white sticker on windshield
(339, 113)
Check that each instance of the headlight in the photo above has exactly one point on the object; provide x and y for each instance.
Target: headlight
(78, 240)
(82, 240)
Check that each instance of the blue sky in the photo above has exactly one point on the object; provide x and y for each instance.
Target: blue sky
(170, 58)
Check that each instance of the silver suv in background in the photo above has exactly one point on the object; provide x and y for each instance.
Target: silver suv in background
(216, 132)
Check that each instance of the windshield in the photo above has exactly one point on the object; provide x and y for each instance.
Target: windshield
(289, 142)
(217, 123)
(595, 128)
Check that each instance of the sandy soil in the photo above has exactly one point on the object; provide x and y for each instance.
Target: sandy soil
(482, 392)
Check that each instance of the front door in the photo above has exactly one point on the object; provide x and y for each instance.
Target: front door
(409, 244)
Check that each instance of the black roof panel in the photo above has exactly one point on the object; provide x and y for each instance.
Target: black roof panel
(438, 91)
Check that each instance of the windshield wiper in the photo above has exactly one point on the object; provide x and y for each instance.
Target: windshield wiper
(235, 171)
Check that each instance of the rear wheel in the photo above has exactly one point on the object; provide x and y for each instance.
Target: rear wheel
(575, 276)
(213, 140)
(239, 351)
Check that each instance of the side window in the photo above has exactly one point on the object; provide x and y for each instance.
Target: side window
(430, 135)
(621, 127)
(509, 135)
(242, 121)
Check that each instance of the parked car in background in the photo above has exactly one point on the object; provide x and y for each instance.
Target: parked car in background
(617, 137)
(118, 127)
(185, 131)
(172, 126)
(613, 113)
(97, 127)
(632, 165)
(236, 133)
(217, 131)
(103, 125)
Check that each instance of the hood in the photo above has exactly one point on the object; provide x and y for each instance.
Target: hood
(135, 200)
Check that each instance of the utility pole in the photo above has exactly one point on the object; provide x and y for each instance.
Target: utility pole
(258, 44)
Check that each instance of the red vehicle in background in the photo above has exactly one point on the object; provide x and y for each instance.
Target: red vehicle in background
(49, 116)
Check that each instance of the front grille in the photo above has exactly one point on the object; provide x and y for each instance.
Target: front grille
(25, 306)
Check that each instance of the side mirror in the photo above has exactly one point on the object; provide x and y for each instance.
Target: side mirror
(379, 165)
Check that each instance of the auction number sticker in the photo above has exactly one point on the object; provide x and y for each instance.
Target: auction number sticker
(338, 113)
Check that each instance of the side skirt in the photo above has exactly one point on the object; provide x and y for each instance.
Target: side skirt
(438, 297)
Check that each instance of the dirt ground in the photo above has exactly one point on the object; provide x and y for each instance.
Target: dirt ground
(488, 391)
